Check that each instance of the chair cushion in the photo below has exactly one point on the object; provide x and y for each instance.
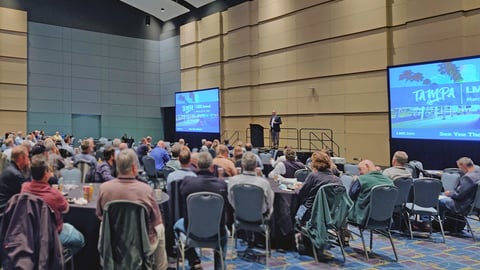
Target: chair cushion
(413, 208)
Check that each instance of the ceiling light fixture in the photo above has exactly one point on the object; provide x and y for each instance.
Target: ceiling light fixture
(162, 9)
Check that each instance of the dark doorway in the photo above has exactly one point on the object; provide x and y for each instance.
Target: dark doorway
(168, 114)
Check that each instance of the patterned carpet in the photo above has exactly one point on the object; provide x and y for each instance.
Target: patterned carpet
(459, 252)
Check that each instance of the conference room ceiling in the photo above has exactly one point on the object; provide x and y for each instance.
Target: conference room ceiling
(166, 10)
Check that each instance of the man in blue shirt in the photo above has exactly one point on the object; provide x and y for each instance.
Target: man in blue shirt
(161, 157)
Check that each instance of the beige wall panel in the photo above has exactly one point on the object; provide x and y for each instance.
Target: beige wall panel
(13, 71)
(437, 30)
(428, 8)
(429, 51)
(374, 147)
(236, 17)
(237, 43)
(399, 12)
(236, 101)
(13, 20)
(277, 67)
(188, 56)
(277, 34)
(269, 9)
(209, 26)
(470, 4)
(13, 97)
(188, 33)
(189, 79)
(237, 72)
(209, 76)
(13, 45)
(13, 121)
(209, 51)
(471, 24)
(471, 45)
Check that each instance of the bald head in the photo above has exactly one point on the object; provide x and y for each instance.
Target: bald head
(366, 166)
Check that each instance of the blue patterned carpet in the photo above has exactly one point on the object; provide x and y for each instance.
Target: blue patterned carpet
(459, 252)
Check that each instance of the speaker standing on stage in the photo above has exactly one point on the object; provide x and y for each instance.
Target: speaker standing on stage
(275, 122)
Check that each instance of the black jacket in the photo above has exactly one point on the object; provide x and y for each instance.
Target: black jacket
(11, 182)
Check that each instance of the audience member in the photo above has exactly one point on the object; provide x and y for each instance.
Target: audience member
(361, 188)
(86, 155)
(398, 169)
(53, 156)
(173, 162)
(288, 167)
(161, 157)
(458, 200)
(19, 138)
(13, 176)
(222, 160)
(321, 175)
(185, 170)
(248, 148)
(9, 144)
(142, 150)
(249, 164)
(106, 170)
(237, 156)
(194, 162)
(205, 181)
(70, 237)
(127, 187)
(116, 145)
(122, 146)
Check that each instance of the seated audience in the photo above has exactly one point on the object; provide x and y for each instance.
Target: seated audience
(13, 176)
(142, 150)
(127, 187)
(194, 162)
(360, 190)
(288, 167)
(70, 237)
(205, 181)
(9, 144)
(398, 169)
(53, 156)
(106, 170)
(173, 162)
(237, 156)
(222, 160)
(86, 155)
(249, 176)
(248, 148)
(458, 200)
(161, 157)
(185, 169)
(321, 175)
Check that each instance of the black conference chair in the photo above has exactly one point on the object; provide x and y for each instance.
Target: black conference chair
(382, 202)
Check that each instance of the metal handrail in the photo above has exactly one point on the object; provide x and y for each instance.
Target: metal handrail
(231, 138)
(325, 139)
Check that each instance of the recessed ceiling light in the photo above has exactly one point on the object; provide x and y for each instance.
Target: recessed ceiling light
(162, 9)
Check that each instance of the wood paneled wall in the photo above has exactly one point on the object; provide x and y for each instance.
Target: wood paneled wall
(13, 70)
(269, 54)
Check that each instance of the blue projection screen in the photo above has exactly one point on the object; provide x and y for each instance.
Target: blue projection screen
(437, 100)
(198, 111)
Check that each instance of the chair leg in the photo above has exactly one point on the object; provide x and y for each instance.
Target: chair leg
(363, 243)
(341, 245)
(441, 227)
(393, 246)
(267, 244)
(410, 228)
(371, 240)
(470, 229)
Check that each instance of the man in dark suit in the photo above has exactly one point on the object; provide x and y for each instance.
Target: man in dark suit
(275, 122)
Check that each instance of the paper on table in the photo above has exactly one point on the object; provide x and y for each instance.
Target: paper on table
(441, 197)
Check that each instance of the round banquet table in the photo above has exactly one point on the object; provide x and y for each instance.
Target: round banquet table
(84, 219)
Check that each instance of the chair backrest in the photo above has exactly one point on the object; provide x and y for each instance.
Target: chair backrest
(85, 170)
(416, 167)
(457, 170)
(166, 171)
(149, 166)
(337, 204)
(71, 175)
(205, 211)
(404, 185)
(450, 180)
(29, 231)
(476, 200)
(301, 174)
(382, 201)
(124, 243)
(248, 201)
(426, 191)
(351, 169)
(265, 157)
(347, 180)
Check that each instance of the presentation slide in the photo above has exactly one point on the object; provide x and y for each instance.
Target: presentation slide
(198, 111)
(439, 101)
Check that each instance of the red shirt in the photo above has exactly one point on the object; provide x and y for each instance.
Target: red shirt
(51, 196)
